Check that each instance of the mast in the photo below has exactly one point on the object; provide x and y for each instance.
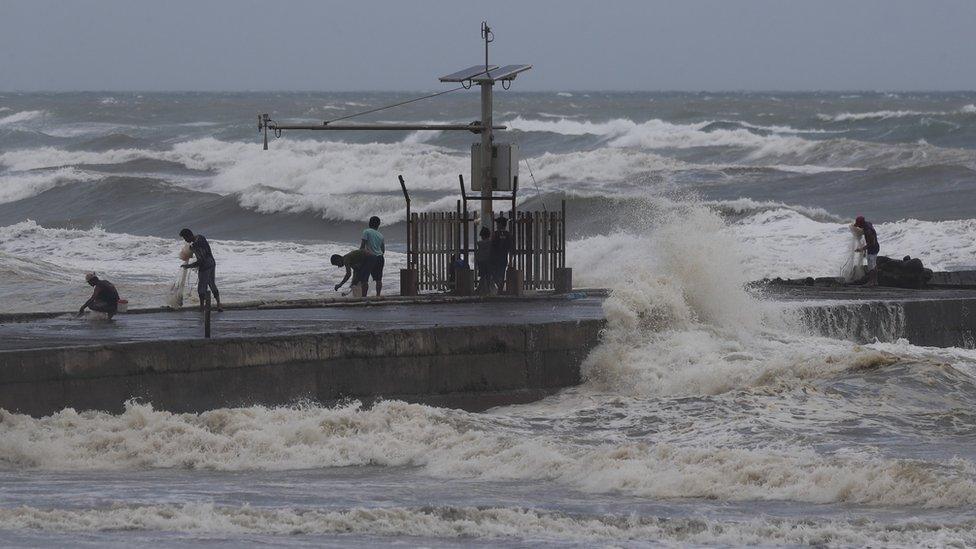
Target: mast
(487, 215)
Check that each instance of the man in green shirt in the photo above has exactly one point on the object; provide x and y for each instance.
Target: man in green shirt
(355, 263)
(374, 245)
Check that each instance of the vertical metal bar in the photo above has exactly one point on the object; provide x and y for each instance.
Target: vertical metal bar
(521, 242)
(467, 233)
(414, 232)
(562, 243)
(424, 247)
(420, 250)
(206, 316)
(487, 215)
(406, 197)
(444, 243)
(546, 250)
(438, 247)
(537, 246)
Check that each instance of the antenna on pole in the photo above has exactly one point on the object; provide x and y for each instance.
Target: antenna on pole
(488, 37)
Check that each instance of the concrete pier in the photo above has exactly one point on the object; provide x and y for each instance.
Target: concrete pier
(471, 353)
(472, 356)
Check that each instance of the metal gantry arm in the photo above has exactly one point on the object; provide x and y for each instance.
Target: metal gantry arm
(265, 123)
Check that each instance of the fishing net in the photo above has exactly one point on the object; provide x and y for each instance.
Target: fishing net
(178, 291)
(853, 266)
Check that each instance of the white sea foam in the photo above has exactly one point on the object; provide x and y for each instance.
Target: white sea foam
(455, 444)
(488, 522)
(782, 151)
(20, 117)
(144, 267)
(680, 325)
(784, 242)
(657, 134)
(880, 115)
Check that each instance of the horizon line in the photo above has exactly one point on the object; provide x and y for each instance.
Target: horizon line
(554, 91)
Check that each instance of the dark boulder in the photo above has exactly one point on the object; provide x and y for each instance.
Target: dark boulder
(902, 273)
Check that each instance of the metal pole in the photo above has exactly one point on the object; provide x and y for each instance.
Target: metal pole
(473, 128)
(206, 317)
(487, 215)
(406, 197)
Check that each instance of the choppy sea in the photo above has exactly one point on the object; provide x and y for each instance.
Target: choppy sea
(709, 416)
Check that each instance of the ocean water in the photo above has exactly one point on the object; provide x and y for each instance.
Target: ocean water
(708, 416)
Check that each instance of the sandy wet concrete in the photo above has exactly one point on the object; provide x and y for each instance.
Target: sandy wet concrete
(67, 330)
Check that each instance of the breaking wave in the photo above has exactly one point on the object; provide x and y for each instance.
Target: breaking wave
(488, 522)
(20, 186)
(454, 444)
(881, 115)
(20, 117)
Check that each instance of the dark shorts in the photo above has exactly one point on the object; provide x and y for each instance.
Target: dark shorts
(360, 274)
(376, 264)
(206, 278)
(498, 272)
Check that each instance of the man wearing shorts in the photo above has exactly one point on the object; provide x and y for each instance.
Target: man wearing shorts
(871, 246)
(374, 245)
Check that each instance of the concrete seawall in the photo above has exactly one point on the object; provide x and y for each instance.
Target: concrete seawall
(473, 355)
(459, 367)
(934, 318)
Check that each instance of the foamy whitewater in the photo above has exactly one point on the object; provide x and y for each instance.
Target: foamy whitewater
(708, 416)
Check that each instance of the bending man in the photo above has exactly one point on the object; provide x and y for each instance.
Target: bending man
(206, 266)
(104, 298)
(357, 265)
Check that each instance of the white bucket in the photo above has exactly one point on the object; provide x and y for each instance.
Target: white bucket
(123, 306)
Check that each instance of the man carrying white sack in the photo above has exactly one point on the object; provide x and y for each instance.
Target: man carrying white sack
(205, 264)
(871, 246)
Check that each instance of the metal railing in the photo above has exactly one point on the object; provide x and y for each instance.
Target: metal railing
(540, 246)
(436, 239)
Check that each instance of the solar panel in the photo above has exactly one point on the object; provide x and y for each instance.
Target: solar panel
(466, 74)
(507, 72)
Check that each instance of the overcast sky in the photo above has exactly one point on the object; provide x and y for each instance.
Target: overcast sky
(405, 45)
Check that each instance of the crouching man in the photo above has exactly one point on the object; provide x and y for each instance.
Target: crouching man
(104, 298)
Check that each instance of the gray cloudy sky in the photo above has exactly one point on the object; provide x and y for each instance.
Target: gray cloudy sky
(398, 44)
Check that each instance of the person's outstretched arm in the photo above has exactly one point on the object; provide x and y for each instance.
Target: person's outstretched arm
(88, 303)
(344, 279)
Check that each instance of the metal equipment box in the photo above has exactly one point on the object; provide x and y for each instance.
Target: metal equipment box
(505, 165)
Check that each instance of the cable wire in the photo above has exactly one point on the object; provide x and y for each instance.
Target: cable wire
(538, 192)
(414, 100)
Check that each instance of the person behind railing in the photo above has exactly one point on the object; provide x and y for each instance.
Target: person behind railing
(375, 246)
(482, 260)
(502, 245)
(104, 298)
